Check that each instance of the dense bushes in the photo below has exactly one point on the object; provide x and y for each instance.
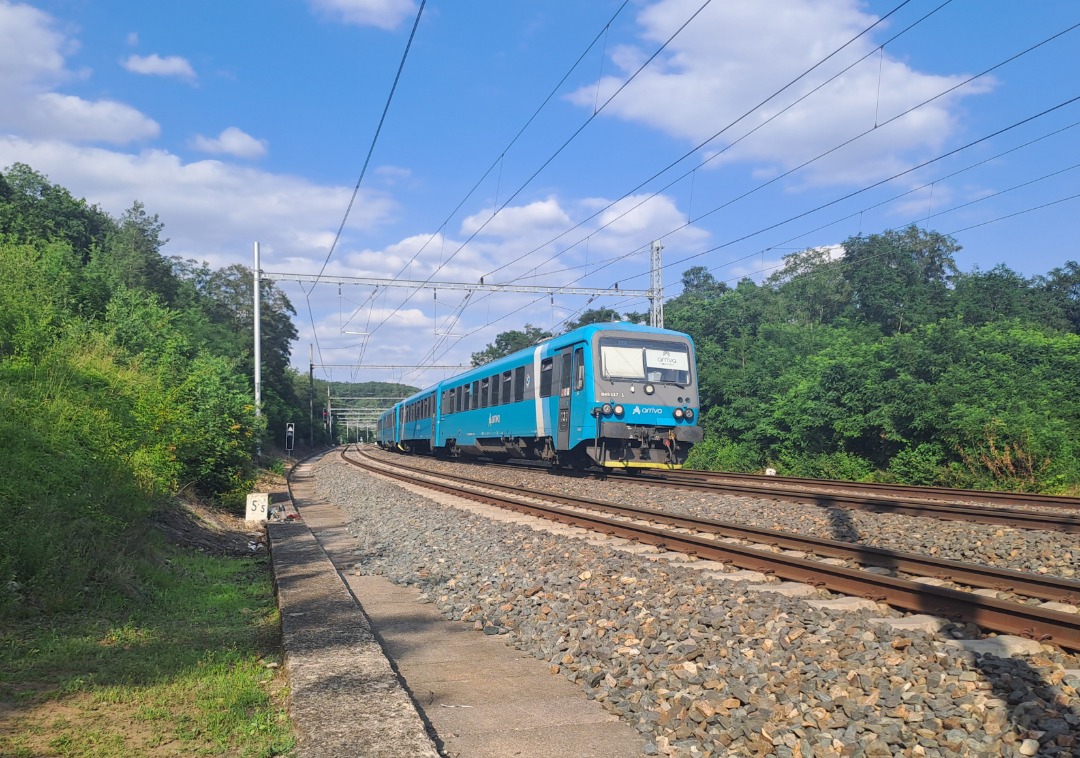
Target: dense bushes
(888, 363)
(115, 391)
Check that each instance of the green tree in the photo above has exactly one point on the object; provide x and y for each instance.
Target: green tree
(697, 280)
(980, 297)
(1063, 286)
(510, 342)
(899, 279)
(812, 286)
(131, 256)
(32, 208)
(593, 316)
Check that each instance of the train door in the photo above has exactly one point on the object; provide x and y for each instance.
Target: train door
(433, 413)
(570, 370)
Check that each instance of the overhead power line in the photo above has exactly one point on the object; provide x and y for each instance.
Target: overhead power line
(363, 170)
(701, 145)
(742, 238)
(554, 155)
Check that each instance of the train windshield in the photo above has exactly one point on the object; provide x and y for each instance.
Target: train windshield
(645, 360)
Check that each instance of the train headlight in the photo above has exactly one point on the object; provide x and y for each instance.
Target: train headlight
(606, 409)
(689, 414)
(619, 410)
(649, 389)
(678, 413)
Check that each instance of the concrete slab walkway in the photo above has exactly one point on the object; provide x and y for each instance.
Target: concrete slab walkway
(480, 697)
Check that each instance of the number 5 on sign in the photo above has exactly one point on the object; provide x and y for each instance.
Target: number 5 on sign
(257, 505)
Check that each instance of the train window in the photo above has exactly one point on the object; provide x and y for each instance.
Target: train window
(651, 360)
(622, 362)
(508, 385)
(565, 372)
(546, 370)
(519, 384)
(496, 385)
(579, 369)
(668, 365)
(485, 392)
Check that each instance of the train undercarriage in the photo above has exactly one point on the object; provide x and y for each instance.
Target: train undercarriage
(618, 446)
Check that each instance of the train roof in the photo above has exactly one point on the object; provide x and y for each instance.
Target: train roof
(585, 332)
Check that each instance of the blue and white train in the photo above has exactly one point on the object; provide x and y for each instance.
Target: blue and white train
(617, 395)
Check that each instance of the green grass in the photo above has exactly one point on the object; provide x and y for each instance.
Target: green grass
(182, 669)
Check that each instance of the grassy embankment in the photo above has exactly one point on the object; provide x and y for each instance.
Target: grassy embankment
(184, 666)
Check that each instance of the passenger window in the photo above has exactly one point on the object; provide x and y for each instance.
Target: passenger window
(508, 386)
(519, 384)
(495, 387)
(485, 392)
(579, 369)
(546, 370)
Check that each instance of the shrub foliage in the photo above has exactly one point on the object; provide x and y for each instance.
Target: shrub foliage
(124, 378)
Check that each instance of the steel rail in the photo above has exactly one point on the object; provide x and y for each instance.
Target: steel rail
(945, 494)
(990, 577)
(901, 503)
(1010, 517)
(1063, 629)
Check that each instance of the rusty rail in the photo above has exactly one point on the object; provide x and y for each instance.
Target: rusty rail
(1063, 629)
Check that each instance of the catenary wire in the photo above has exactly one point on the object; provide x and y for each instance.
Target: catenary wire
(806, 213)
(548, 161)
(717, 134)
(834, 149)
(363, 171)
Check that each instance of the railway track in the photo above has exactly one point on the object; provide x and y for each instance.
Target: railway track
(907, 492)
(921, 502)
(723, 542)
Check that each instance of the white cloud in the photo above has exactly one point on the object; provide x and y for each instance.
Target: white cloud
(393, 176)
(155, 65)
(212, 210)
(519, 221)
(31, 50)
(733, 55)
(32, 64)
(55, 116)
(636, 215)
(384, 14)
(231, 141)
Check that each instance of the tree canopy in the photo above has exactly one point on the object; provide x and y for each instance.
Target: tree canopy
(124, 378)
(881, 359)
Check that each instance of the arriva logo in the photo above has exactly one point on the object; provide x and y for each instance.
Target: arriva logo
(638, 410)
(667, 359)
(494, 419)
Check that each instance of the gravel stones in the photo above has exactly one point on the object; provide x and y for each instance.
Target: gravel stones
(698, 665)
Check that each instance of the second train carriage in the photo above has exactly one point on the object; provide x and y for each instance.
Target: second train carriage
(617, 395)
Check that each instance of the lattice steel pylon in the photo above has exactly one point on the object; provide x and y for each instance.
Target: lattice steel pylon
(656, 287)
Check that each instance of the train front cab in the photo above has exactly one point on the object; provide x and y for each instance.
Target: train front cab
(640, 389)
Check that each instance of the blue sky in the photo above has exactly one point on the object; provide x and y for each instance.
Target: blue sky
(240, 122)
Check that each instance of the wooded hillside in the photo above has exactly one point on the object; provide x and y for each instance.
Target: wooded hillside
(124, 379)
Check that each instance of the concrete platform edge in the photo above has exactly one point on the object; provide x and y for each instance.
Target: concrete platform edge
(345, 697)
